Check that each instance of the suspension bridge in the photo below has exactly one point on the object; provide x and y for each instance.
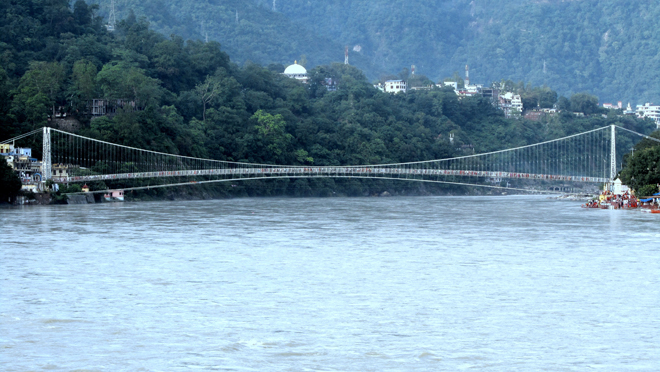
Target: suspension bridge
(593, 156)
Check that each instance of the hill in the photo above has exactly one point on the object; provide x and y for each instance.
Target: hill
(606, 48)
(247, 30)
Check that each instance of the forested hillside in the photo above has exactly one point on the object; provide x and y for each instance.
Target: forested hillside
(191, 99)
(607, 48)
(248, 31)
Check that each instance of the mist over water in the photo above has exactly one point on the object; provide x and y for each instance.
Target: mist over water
(341, 284)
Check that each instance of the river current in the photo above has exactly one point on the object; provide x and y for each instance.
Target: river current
(514, 283)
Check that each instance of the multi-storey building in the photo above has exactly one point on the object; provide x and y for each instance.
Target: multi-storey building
(649, 110)
(395, 86)
(510, 103)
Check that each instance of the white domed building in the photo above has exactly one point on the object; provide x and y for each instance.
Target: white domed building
(296, 71)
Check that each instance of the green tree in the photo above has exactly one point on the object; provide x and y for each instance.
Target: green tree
(643, 165)
(40, 86)
(84, 82)
(419, 81)
(647, 190)
(207, 92)
(563, 104)
(83, 14)
(10, 184)
(172, 64)
(584, 103)
(271, 129)
(303, 157)
(8, 129)
(118, 81)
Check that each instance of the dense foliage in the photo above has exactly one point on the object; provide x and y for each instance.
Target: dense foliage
(190, 99)
(10, 184)
(608, 48)
(642, 170)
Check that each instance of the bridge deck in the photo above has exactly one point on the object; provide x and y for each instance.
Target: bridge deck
(281, 172)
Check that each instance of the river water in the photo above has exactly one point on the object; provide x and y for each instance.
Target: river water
(514, 283)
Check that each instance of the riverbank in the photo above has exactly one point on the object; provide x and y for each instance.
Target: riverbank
(131, 196)
(295, 188)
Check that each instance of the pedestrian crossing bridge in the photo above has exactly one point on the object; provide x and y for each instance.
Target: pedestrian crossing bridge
(590, 157)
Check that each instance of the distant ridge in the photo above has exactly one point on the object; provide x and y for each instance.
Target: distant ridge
(607, 48)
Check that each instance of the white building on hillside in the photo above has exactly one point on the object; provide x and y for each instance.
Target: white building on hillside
(510, 103)
(629, 110)
(452, 84)
(649, 111)
(516, 103)
(296, 71)
(610, 106)
(395, 86)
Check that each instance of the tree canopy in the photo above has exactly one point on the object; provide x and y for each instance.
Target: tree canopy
(10, 184)
(642, 170)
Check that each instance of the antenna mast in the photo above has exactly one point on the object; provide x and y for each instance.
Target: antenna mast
(204, 32)
(467, 75)
(274, 7)
(111, 18)
(346, 56)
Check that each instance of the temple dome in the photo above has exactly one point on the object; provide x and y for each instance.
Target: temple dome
(295, 69)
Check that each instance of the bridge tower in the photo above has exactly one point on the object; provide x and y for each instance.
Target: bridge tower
(46, 161)
(613, 153)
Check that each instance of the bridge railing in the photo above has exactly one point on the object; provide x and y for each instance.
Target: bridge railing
(361, 171)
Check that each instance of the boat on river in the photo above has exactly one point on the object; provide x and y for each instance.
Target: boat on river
(619, 197)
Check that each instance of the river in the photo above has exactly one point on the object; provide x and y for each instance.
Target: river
(517, 283)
